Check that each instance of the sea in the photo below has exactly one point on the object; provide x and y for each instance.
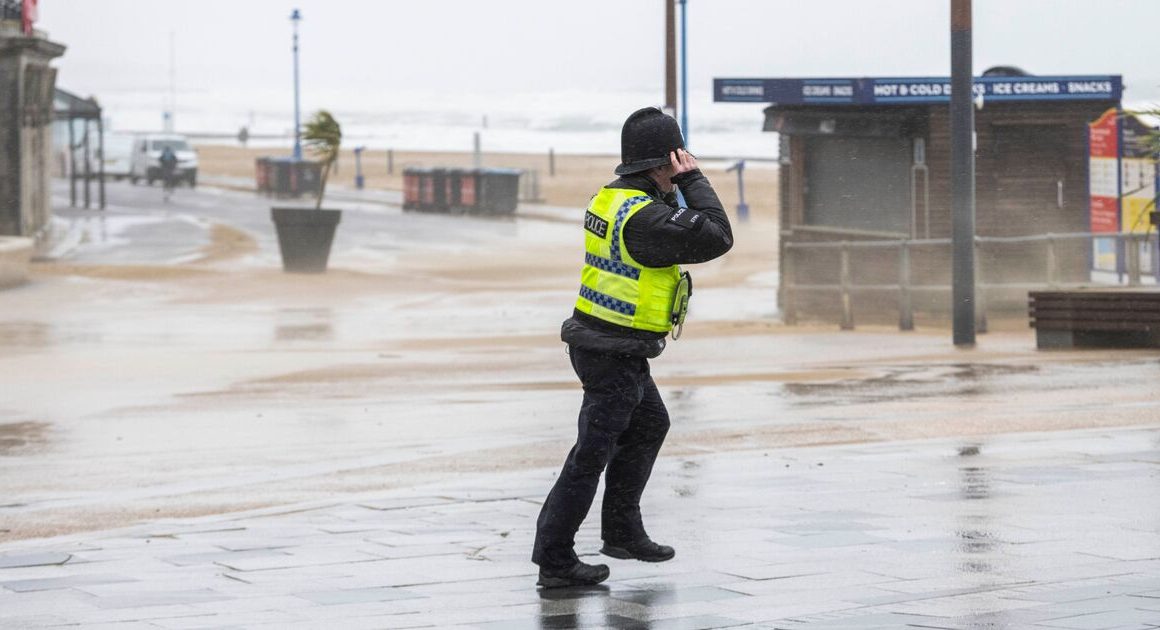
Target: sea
(574, 122)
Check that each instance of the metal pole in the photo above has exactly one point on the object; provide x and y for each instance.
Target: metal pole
(552, 162)
(742, 207)
(1052, 264)
(294, 18)
(670, 57)
(1156, 218)
(101, 164)
(171, 113)
(905, 306)
(926, 199)
(477, 152)
(72, 162)
(844, 279)
(390, 161)
(980, 293)
(962, 176)
(88, 167)
(359, 181)
(684, 73)
(1120, 247)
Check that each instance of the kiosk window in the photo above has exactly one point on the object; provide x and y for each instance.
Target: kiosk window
(858, 183)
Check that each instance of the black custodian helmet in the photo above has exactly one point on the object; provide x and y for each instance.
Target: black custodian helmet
(647, 138)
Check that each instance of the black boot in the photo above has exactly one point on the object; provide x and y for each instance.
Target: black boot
(643, 549)
(579, 574)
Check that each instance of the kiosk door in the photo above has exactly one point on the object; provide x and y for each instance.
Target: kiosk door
(860, 183)
(1032, 180)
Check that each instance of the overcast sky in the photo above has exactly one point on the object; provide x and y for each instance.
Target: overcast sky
(451, 47)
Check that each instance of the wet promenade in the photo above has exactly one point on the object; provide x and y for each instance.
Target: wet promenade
(190, 438)
(1057, 530)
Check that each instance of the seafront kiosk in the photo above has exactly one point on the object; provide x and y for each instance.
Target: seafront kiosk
(868, 159)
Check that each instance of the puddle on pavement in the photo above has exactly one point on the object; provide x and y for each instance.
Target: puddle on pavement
(974, 483)
(22, 438)
(913, 381)
(977, 539)
(304, 324)
(597, 606)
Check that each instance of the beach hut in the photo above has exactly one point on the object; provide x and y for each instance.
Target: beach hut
(865, 185)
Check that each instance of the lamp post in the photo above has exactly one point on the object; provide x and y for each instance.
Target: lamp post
(295, 17)
(670, 58)
(962, 116)
(684, 75)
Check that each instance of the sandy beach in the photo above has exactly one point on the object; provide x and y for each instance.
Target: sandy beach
(577, 177)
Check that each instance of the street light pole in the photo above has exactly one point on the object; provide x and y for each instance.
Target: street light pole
(684, 75)
(670, 58)
(962, 176)
(294, 19)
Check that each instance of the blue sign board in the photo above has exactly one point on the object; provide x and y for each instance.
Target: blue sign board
(914, 90)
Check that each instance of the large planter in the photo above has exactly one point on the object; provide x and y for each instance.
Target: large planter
(304, 237)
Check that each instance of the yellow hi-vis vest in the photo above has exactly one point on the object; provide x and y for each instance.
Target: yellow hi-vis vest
(613, 286)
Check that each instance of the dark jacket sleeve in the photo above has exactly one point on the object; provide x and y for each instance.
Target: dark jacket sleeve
(662, 234)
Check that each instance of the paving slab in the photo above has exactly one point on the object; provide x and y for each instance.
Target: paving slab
(35, 559)
(1005, 532)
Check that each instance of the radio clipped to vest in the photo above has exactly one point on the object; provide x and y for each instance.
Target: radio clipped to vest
(681, 303)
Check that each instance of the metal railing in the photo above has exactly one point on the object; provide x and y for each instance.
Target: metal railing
(1131, 268)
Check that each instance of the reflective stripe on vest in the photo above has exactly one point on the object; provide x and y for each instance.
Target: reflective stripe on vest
(613, 286)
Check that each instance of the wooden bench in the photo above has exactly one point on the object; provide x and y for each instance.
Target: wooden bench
(1096, 318)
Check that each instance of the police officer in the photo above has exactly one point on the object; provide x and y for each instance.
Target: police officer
(631, 294)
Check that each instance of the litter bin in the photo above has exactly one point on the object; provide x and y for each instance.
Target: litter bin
(412, 188)
(426, 189)
(499, 190)
(438, 199)
(262, 175)
(287, 177)
(462, 185)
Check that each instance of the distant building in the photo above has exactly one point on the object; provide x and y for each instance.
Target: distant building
(865, 159)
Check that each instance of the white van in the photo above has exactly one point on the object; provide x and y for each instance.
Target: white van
(118, 157)
(147, 153)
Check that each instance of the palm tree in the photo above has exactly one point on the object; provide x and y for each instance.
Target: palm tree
(1154, 136)
(323, 135)
(1153, 140)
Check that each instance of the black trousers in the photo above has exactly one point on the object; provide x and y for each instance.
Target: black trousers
(622, 424)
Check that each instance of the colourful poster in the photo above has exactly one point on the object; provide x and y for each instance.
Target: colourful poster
(1104, 173)
(1122, 181)
(1104, 254)
(1137, 175)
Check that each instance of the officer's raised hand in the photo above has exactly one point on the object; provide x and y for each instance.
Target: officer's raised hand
(682, 161)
